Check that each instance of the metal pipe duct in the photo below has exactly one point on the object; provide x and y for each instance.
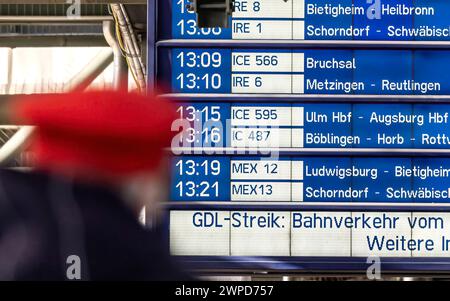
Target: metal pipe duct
(120, 80)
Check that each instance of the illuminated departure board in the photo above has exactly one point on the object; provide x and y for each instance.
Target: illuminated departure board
(419, 72)
(311, 179)
(316, 125)
(317, 20)
(331, 234)
(311, 135)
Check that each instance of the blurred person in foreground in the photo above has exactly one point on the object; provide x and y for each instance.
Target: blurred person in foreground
(99, 160)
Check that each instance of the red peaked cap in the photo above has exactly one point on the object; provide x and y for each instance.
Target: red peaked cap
(99, 133)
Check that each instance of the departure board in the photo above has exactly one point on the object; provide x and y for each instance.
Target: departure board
(317, 20)
(296, 233)
(311, 179)
(311, 135)
(315, 125)
(420, 72)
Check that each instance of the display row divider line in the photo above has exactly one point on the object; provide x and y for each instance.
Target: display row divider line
(267, 19)
(266, 152)
(305, 206)
(314, 98)
(301, 44)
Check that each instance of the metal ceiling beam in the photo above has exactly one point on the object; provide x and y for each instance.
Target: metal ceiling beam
(13, 41)
(53, 19)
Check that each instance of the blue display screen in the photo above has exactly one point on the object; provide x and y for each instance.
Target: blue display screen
(311, 134)
(310, 125)
(275, 71)
(394, 20)
(311, 179)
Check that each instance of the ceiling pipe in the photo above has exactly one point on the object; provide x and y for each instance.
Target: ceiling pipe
(120, 77)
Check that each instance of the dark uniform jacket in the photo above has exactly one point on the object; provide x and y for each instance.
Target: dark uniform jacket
(54, 229)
